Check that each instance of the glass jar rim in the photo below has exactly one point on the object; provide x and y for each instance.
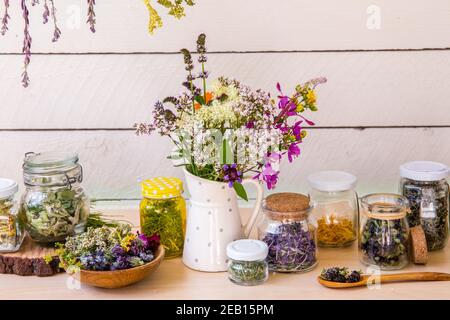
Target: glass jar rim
(50, 162)
(385, 206)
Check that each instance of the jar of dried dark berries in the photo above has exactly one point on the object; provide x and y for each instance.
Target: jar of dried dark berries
(424, 184)
(384, 231)
(286, 229)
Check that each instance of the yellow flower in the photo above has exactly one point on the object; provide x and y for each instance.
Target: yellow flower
(300, 107)
(310, 97)
(303, 134)
(126, 242)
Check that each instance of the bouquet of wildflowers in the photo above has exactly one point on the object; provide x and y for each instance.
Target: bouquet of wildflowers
(226, 130)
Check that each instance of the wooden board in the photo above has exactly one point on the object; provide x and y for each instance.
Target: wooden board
(172, 280)
(115, 91)
(30, 260)
(236, 25)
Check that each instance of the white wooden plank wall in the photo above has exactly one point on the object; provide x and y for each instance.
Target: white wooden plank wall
(386, 101)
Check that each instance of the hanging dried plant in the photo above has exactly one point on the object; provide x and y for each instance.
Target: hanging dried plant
(49, 12)
(176, 9)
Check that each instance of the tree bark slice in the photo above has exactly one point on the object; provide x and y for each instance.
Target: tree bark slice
(30, 260)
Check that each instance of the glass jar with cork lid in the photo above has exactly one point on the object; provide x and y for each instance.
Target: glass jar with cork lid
(287, 231)
(384, 231)
(163, 211)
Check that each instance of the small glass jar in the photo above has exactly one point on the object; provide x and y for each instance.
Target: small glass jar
(286, 230)
(54, 205)
(247, 264)
(425, 186)
(11, 231)
(384, 231)
(163, 211)
(335, 207)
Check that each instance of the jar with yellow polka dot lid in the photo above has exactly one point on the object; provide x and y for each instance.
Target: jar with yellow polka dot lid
(163, 211)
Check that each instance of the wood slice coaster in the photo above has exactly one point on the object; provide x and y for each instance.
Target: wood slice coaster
(30, 260)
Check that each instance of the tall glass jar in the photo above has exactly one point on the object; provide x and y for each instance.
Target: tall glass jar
(163, 211)
(424, 184)
(335, 207)
(54, 205)
(11, 232)
(286, 229)
(384, 231)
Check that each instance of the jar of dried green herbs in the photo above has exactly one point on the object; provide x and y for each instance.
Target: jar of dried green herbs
(11, 231)
(54, 205)
(163, 211)
(384, 231)
(424, 184)
(247, 263)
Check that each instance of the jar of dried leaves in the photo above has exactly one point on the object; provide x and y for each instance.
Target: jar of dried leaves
(54, 205)
(424, 184)
(11, 232)
(287, 231)
(335, 207)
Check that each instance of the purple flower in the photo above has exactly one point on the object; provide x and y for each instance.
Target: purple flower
(231, 174)
(118, 251)
(268, 175)
(250, 125)
(91, 15)
(5, 19)
(122, 262)
(293, 151)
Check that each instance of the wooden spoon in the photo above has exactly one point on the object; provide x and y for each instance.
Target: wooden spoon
(384, 278)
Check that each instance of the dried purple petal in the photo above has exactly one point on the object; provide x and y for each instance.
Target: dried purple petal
(26, 44)
(46, 13)
(5, 19)
(56, 32)
(91, 15)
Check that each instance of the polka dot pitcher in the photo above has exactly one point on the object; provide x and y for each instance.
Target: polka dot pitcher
(213, 222)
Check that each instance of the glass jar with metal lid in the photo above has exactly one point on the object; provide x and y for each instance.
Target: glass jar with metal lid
(163, 211)
(286, 229)
(335, 207)
(11, 231)
(424, 184)
(54, 205)
(384, 231)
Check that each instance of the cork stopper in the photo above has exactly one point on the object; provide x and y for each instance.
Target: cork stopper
(287, 205)
(419, 245)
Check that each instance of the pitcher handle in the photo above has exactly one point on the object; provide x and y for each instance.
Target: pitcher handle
(259, 197)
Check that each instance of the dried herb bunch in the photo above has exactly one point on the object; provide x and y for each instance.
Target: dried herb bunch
(338, 274)
(291, 246)
(247, 272)
(384, 242)
(176, 9)
(49, 10)
(429, 204)
(164, 217)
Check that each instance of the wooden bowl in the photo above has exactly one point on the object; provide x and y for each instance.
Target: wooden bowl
(119, 278)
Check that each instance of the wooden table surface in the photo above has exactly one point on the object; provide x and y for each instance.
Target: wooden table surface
(174, 281)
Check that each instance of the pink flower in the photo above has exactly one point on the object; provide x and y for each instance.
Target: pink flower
(268, 175)
(293, 151)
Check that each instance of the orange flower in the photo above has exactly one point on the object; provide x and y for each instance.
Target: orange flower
(209, 96)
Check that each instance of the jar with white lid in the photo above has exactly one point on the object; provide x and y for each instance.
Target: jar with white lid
(11, 231)
(335, 207)
(54, 205)
(424, 184)
(247, 263)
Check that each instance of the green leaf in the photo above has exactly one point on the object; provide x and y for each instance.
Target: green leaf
(200, 100)
(240, 190)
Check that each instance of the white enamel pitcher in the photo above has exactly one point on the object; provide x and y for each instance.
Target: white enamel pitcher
(213, 222)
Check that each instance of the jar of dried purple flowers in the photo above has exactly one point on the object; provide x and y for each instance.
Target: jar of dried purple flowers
(286, 229)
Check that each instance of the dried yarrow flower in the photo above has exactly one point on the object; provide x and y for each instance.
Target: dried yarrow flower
(5, 19)
(91, 15)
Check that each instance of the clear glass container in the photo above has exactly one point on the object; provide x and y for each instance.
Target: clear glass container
(384, 231)
(11, 231)
(54, 205)
(163, 211)
(335, 207)
(286, 229)
(247, 265)
(425, 186)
